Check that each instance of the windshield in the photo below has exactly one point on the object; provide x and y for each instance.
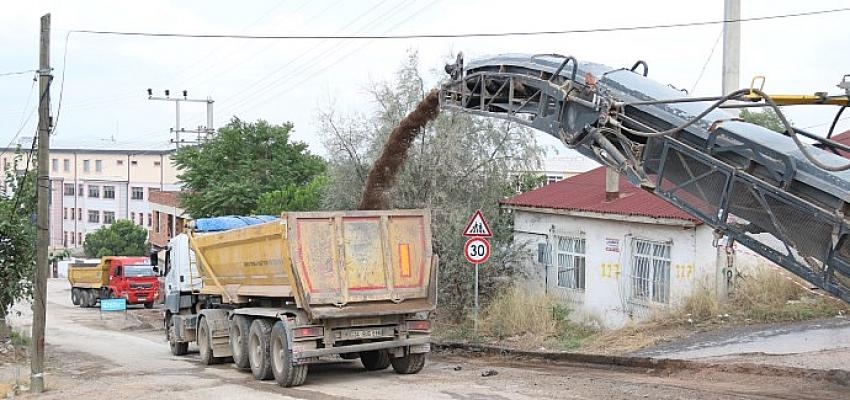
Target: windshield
(134, 271)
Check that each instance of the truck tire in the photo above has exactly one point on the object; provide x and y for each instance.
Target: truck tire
(177, 348)
(240, 325)
(286, 373)
(259, 349)
(85, 298)
(375, 360)
(75, 296)
(94, 296)
(409, 364)
(204, 343)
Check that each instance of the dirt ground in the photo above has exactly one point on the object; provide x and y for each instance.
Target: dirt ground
(114, 357)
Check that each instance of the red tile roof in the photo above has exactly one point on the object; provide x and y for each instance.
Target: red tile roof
(843, 138)
(586, 192)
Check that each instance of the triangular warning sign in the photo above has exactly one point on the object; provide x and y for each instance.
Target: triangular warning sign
(477, 226)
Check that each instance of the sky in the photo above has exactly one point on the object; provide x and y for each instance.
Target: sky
(103, 79)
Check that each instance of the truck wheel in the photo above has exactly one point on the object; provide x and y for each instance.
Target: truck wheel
(375, 360)
(409, 364)
(149, 305)
(94, 296)
(177, 348)
(204, 343)
(75, 296)
(239, 327)
(258, 349)
(85, 299)
(285, 372)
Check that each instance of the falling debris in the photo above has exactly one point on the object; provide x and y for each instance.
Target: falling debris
(383, 174)
(489, 372)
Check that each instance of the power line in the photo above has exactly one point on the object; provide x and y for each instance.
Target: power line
(23, 122)
(460, 35)
(710, 54)
(29, 71)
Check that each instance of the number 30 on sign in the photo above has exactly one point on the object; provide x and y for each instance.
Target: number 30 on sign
(477, 250)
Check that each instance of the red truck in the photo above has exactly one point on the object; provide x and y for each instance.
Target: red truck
(131, 278)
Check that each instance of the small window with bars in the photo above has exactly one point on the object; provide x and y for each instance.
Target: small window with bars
(570, 259)
(650, 272)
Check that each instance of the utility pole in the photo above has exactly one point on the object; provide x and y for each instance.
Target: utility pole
(39, 303)
(207, 131)
(731, 45)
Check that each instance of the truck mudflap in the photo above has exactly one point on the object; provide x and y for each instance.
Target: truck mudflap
(415, 345)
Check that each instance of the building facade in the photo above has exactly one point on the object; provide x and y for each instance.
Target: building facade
(616, 256)
(168, 218)
(92, 187)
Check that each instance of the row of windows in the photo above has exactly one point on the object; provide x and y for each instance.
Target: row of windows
(649, 277)
(136, 192)
(72, 236)
(94, 216)
(98, 165)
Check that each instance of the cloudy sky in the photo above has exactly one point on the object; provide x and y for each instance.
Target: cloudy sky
(106, 77)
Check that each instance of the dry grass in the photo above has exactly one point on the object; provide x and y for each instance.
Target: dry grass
(767, 295)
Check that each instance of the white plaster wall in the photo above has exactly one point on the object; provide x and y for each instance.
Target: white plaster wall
(605, 299)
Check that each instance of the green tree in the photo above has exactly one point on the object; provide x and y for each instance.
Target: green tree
(293, 198)
(458, 164)
(17, 237)
(767, 119)
(123, 238)
(228, 174)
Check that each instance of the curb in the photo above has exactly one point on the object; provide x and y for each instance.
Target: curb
(837, 376)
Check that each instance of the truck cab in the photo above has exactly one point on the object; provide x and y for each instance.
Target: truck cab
(182, 280)
(132, 278)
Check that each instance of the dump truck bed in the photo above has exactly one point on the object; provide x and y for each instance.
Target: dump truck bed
(88, 276)
(333, 264)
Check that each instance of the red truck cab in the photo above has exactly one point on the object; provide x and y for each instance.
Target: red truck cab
(134, 279)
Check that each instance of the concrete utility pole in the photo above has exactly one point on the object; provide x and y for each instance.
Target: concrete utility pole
(731, 46)
(39, 303)
(208, 131)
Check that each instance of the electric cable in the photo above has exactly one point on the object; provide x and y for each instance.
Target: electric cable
(461, 35)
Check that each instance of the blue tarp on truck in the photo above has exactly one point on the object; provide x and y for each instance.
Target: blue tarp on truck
(228, 222)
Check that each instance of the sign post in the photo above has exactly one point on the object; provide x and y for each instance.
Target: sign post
(477, 250)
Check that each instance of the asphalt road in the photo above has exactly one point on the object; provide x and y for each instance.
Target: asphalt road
(116, 357)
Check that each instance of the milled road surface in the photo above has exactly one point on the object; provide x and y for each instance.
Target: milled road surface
(115, 358)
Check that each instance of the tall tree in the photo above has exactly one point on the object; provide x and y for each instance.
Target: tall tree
(17, 236)
(122, 238)
(767, 119)
(228, 174)
(458, 164)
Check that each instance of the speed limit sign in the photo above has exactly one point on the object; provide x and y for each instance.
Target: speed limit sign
(477, 250)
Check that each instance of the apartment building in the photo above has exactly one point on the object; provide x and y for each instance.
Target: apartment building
(96, 183)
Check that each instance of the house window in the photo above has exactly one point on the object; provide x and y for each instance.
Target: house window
(150, 220)
(80, 238)
(120, 162)
(65, 216)
(86, 166)
(650, 273)
(98, 166)
(109, 192)
(156, 163)
(94, 216)
(570, 261)
(134, 163)
(73, 237)
(108, 217)
(65, 238)
(142, 219)
(156, 226)
(138, 193)
(66, 165)
(54, 165)
(553, 178)
(81, 190)
(94, 191)
(69, 189)
(80, 214)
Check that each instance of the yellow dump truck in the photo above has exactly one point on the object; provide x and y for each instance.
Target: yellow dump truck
(275, 295)
(130, 278)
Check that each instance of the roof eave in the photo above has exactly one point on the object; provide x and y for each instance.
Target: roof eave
(641, 219)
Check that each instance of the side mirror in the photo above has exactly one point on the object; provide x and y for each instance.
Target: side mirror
(154, 257)
(156, 271)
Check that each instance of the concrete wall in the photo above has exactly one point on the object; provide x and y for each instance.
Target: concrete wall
(606, 297)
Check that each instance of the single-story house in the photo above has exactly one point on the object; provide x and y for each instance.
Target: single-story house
(613, 252)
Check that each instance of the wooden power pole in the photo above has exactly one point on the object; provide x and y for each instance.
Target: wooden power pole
(39, 303)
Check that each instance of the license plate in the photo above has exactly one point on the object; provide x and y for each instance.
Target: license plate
(350, 334)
